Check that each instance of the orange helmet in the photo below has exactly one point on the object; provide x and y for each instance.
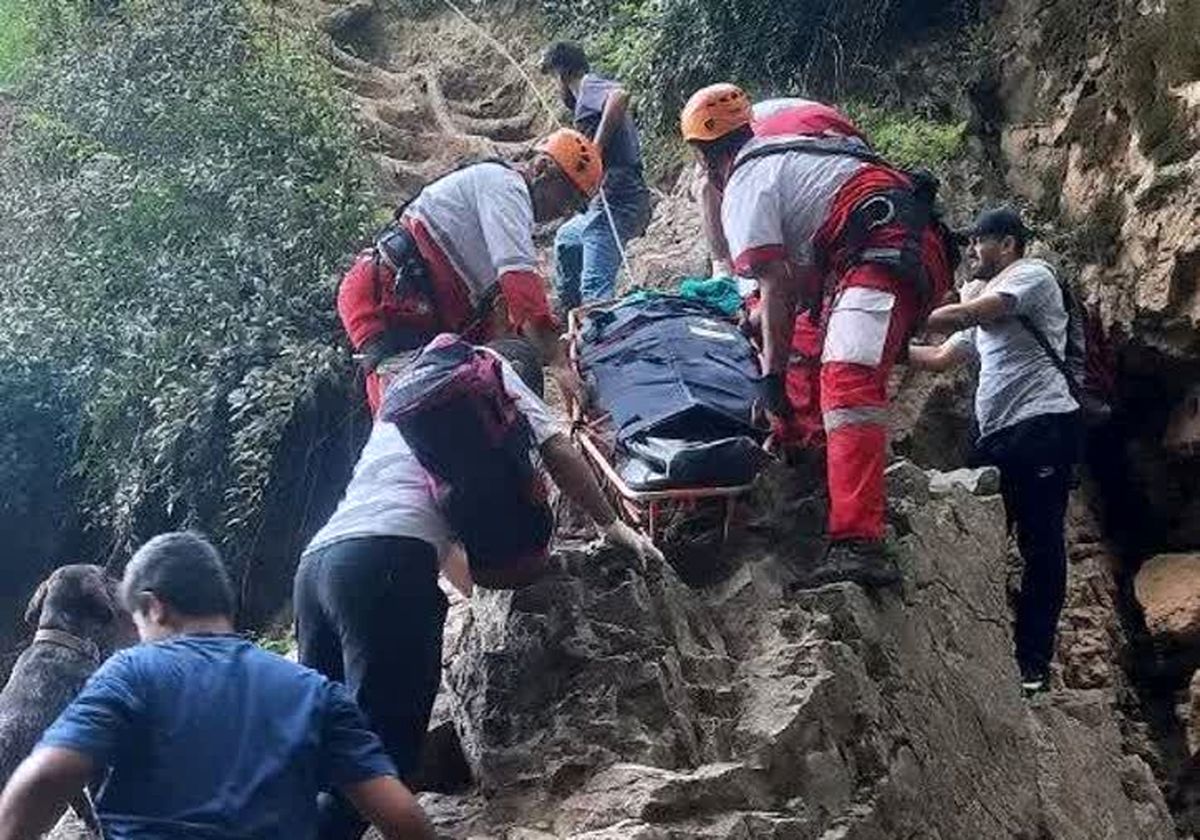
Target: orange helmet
(578, 158)
(713, 112)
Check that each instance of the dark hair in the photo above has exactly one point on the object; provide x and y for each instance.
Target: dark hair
(1000, 222)
(184, 571)
(565, 57)
(525, 360)
(730, 144)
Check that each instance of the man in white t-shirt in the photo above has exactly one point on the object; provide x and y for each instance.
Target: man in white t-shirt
(369, 611)
(460, 258)
(1028, 419)
(811, 211)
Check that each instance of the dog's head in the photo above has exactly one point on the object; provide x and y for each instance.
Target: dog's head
(82, 600)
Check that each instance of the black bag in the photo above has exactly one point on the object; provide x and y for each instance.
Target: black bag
(451, 407)
(679, 381)
(1095, 409)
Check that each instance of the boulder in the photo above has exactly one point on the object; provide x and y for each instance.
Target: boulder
(984, 481)
(1168, 589)
(611, 702)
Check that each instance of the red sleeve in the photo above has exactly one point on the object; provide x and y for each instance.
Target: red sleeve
(749, 261)
(525, 297)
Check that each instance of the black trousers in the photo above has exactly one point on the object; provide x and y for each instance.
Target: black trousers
(1036, 458)
(369, 614)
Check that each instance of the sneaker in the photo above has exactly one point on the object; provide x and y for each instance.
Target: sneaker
(865, 562)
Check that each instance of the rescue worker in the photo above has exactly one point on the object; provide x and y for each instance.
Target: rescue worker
(802, 429)
(369, 611)
(806, 201)
(460, 258)
(587, 253)
(1012, 319)
(771, 117)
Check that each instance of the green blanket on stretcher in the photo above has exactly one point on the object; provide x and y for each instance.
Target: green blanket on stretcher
(719, 292)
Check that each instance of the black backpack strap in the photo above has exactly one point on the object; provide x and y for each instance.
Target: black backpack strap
(1058, 361)
(845, 146)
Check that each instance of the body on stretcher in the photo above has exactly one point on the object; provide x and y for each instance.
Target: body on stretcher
(671, 423)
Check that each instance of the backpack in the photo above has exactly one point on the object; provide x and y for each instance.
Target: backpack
(1077, 365)
(467, 433)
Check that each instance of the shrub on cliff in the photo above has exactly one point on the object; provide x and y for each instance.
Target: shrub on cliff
(179, 186)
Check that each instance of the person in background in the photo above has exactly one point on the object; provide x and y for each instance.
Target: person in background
(587, 252)
(810, 212)
(369, 611)
(1029, 423)
(204, 733)
(460, 258)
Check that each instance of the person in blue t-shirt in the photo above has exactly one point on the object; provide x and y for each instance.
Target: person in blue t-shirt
(587, 256)
(203, 733)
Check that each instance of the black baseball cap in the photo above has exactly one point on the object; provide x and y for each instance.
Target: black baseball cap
(1000, 221)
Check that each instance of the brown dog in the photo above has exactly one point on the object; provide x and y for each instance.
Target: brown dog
(79, 622)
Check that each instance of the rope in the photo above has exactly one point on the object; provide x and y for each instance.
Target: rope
(550, 112)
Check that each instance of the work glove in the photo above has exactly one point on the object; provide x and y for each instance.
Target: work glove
(619, 534)
(772, 395)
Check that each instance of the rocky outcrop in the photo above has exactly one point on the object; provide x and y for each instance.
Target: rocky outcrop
(613, 702)
(1099, 128)
(1168, 589)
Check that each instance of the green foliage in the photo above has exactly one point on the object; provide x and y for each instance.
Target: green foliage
(16, 38)
(665, 49)
(910, 140)
(280, 645)
(30, 26)
(180, 186)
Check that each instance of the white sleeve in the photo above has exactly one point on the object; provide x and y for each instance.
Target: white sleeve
(506, 218)
(752, 219)
(541, 419)
(1028, 283)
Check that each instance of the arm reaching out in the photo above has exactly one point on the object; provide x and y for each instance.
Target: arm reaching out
(575, 478)
(985, 309)
(714, 232)
(545, 338)
(389, 806)
(945, 356)
(39, 791)
(781, 293)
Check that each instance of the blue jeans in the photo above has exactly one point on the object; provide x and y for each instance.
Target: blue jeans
(586, 256)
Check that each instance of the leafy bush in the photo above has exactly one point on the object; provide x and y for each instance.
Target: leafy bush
(910, 140)
(665, 49)
(180, 185)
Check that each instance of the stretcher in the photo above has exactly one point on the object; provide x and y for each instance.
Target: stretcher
(651, 510)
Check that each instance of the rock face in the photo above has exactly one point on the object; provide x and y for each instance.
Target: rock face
(1100, 130)
(611, 702)
(1168, 588)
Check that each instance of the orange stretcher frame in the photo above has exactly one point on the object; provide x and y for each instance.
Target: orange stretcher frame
(641, 508)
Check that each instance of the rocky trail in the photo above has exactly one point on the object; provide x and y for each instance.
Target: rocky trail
(608, 702)
(427, 94)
